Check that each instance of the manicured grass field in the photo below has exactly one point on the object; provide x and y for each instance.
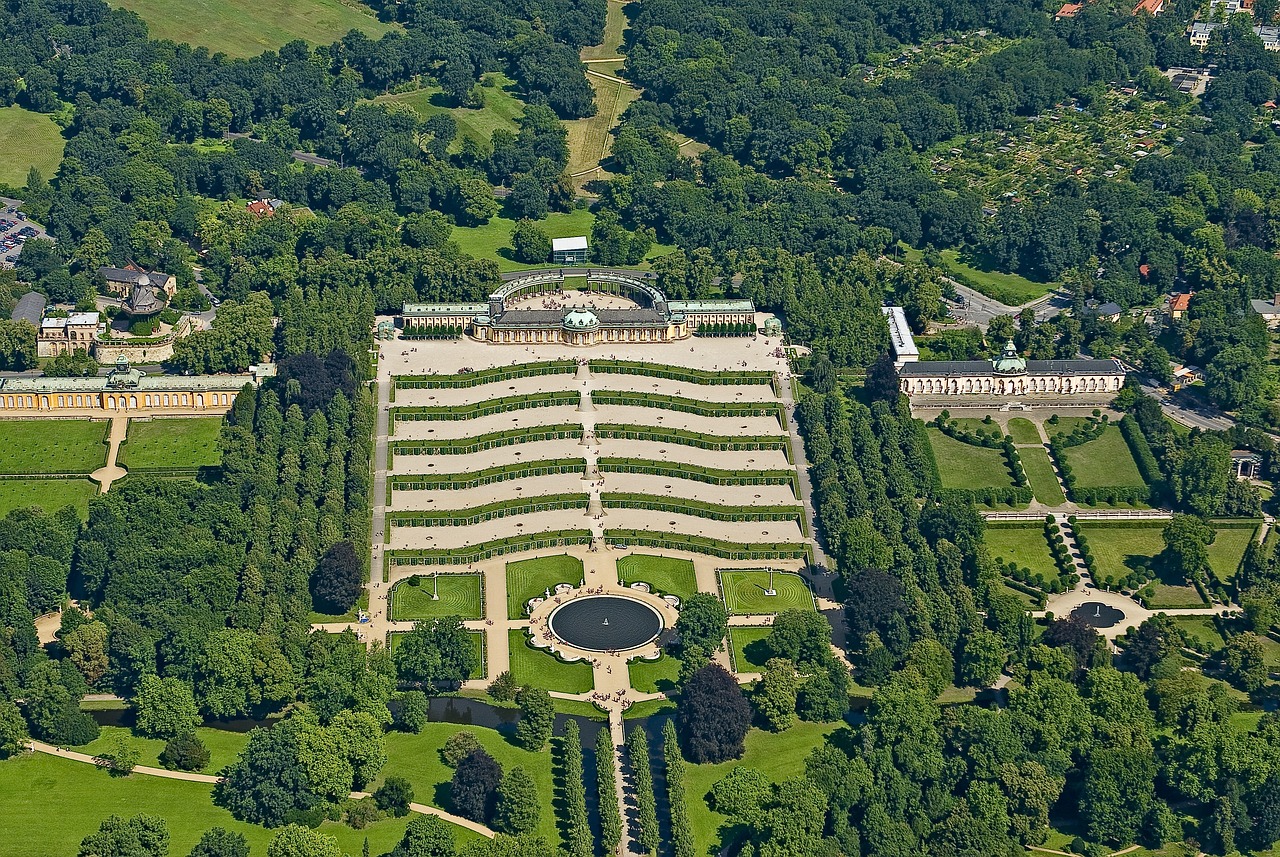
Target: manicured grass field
(502, 107)
(1203, 629)
(545, 670)
(50, 804)
(1040, 475)
(1023, 431)
(477, 644)
(776, 755)
(243, 28)
(962, 465)
(654, 676)
(28, 139)
(1065, 425)
(1119, 550)
(52, 446)
(49, 494)
(417, 759)
(667, 575)
(1227, 551)
(189, 442)
(460, 595)
(1105, 462)
(1026, 546)
(528, 578)
(223, 746)
(744, 592)
(747, 650)
(493, 240)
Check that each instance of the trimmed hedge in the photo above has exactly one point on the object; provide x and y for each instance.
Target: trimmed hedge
(474, 479)
(709, 475)
(702, 509)
(487, 512)
(490, 440)
(679, 373)
(1113, 494)
(484, 376)
(1020, 496)
(419, 413)
(433, 332)
(713, 442)
(1142, 455)
(690, 406)
(709, 546)
(486, 550)
(742, 328)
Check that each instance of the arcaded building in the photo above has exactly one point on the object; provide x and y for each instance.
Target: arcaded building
(1011, 375)
(536, 310)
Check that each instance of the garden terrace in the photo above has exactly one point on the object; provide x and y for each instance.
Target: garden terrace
(64, 447)
(484, 376)
(710, 475)
(679, 373)
(716, 495)
(494, 529)
(464, 396)
(488, 407)
(493, 492)
(479, 552)
(633, 518)
(684, 506)
(715, 442)
(459, 595)
(706, 545)
(487, 512)
(743, 591)
(491, 440)
(697, 407)
(504, 473)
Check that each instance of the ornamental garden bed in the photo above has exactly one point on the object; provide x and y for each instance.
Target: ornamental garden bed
(530, 578)
(743, 591)
(664, 574)
(459, 595)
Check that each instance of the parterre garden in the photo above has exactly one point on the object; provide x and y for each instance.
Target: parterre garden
(745, 592)
(39, 449)
(458, 595)
(666, 575)
(171, 444)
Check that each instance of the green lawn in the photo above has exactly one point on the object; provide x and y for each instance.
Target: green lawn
(477, 644)
(502, 107)
(654, 676)
(528, 578)
(52, 446)
(1227, 551)
(543, 669)
(1065, 425)
(28, 139)
(962, 465)
(189, 442)
(1105, 462)
(493, 240)
(1023, 430)
(49, 494)
(417, 759)
(223, 746)
(1044, 482)
(1203, 629)
(460, 595)
(50, 804)
(747, 648)
(243, 28)
(665, 574)
(776, 755)
(1026, 546)
(744, 592)
(1119, 550)
(1009, 289)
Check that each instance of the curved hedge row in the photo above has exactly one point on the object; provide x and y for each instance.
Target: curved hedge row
(709, 546)
(484, 376)
(690, 406)
(1093, 430)
(992, 440)
(695, 473)
(419, 413)
(474, 479)
(679, 373)
(682, 437)
(486, 550)
(490, 440)
(702, 509)
(487, 512)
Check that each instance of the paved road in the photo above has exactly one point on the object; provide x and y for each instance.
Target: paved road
(979, 309)
(1179, 408)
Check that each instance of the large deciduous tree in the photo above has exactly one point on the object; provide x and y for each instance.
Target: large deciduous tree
(337, 580)
(474, 789)
(713, 716)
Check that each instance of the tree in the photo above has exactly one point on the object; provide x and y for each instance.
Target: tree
(800, 636)
(646, 828)
(13, 730)
(742, 795)
(1119, 786)
(775, 695)
(1186, 546)
(537, 715)
(359, 737)
(610, 818)
(474, 787)
(458, 746)
(426, 836)
(1234, 377)
(217, 842)
(87, 648)
(529, 199)
(713, 716)
(436, 652)
(504, 687)
(982, 659)
(120, 760)
(412, 714)
(164, 707)
(185, 752)
(577, 830)
(703, 622)
(139, 836)
(1244, 661)
(882, 383)
(1200, 480)
(518, 809)
(268, 780)
(1075, 636)
(338, 579)
(531, 244)
(394, 796)
(298, 841)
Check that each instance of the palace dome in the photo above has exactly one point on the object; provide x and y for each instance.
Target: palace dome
(581, 319)
(1009, 362)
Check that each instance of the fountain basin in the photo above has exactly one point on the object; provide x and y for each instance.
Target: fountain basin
(599, 623)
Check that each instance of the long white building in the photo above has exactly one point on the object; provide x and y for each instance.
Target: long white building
(1011, 375)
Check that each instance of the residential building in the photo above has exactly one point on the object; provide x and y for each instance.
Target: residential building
(67, 335)
(29, 308)
(1178, 305)
(1200, 32)
(264, 207)
(1151, 7)
(1068, 10)
(122, 281)
(569, 251)
(1269, 310)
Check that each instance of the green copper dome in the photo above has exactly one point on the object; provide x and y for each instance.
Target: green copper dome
(1009, 363)
(581, 319)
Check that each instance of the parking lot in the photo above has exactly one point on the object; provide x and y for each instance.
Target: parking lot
(15, 230)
